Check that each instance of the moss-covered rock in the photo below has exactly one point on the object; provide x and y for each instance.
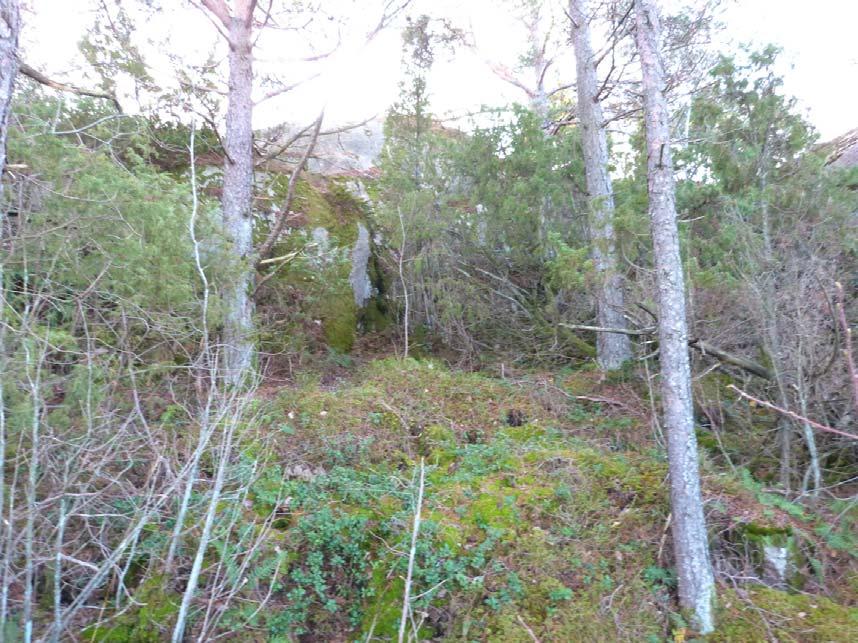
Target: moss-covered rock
(317, 272)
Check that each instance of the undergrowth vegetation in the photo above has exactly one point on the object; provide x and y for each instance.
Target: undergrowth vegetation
(419, 342)
(535, 521)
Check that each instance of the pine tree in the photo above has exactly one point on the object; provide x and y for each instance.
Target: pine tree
(691, 547)
(612, 349)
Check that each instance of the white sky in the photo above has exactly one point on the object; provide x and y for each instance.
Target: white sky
(820, 56)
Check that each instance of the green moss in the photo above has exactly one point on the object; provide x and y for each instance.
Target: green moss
(579, 347)
(439, 441)
(150, 621)
(339, 319)
(520, 523)
(788, 617)
(382, 615)
(384, 609)
(755, 538)
(320, 279)
(523, 433)
(326, 208)
(373, 316)
(495, 510)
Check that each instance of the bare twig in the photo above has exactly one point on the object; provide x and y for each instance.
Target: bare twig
(406, 599)
(527, 628)
(400, 265)
(268, 245)
(792, 414)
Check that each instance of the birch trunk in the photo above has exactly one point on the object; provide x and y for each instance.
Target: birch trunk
(10, 26)
(9, 30)
(612, 349)
(694, 570)
(238, 198)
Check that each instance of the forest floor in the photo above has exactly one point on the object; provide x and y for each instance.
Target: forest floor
(545, 515)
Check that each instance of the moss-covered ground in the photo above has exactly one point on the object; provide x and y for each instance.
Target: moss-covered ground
(544, 518)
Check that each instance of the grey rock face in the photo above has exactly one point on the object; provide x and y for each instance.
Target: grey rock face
(351, 152)
(359, 276)
(322, 240)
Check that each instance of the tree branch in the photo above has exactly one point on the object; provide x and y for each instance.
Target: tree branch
(268, 245)
(287, 88)
(619, 331)
(301, 133)
(696, 343)
(219, 9)
(39, 77)
(850, 360)
(735, 360)
(791, 414)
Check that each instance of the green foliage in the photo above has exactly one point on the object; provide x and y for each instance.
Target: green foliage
(491, 238)
(332, 572)
(122, 229)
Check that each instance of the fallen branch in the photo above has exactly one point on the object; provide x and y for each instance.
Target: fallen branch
(792, 414)
(527, 628)
(280, 263)
(604, 329)
(729, 358)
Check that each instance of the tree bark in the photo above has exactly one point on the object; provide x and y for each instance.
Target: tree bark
(10, 26)
(612, 349)
(238, 196)
(691, 547)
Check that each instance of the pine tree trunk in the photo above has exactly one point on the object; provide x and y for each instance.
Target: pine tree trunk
(237, 202)
(612, 349)
(691, 547)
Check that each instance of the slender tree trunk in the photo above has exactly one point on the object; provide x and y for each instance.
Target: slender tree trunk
(10, 26)
(691, 547)
(238, 199)
(771, 321)
(612, 349)
(534, 21)
(9, 29)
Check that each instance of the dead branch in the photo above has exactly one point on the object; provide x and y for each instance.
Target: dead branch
(285, 89)
(268, 156)
(601, 329)
(705, 348)
(527, 629)
(847, 340)
(745, 364)
(40, 78)
(792, 414)
(268, 245)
